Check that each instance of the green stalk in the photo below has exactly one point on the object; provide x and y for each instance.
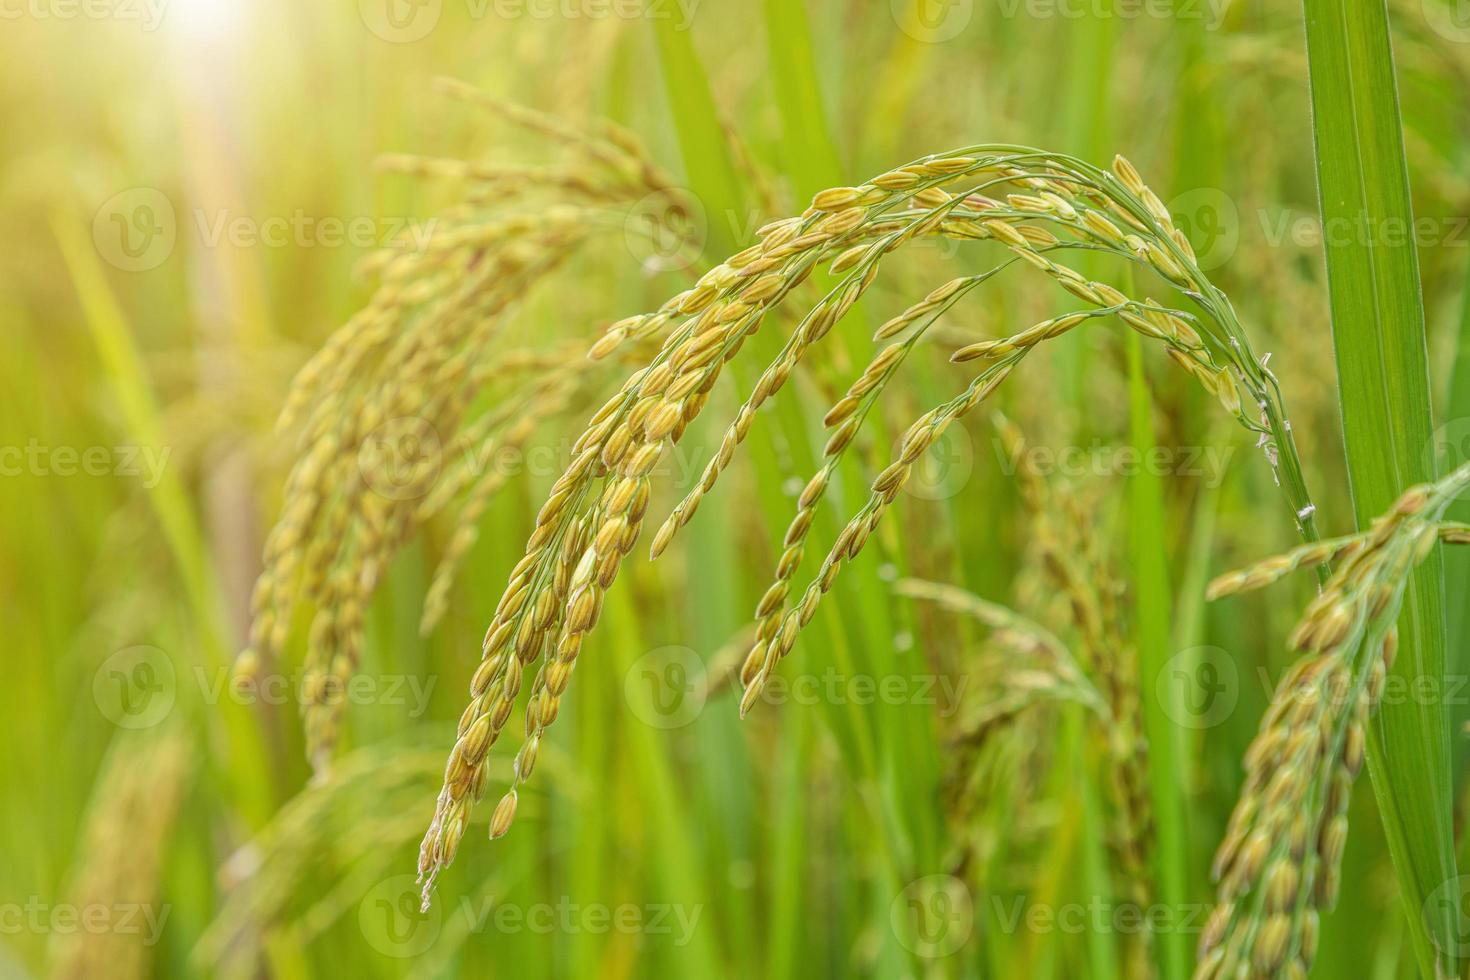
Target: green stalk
(1102, 944)
(809, 155)
(842, 630)
(171, 507)
(1382, 364)
(678, 869)
(701, 138)
(1165, 736)
(1455, 444)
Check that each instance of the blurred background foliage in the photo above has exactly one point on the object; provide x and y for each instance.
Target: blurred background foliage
(187, 190)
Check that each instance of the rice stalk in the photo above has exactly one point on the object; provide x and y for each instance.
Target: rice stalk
(383, 415)
(596, 509)
(1026, 669)
(1063, 538)
(1278, 866)
(319, 838)
(122, 854)
(1051, 672)
(1075, 567)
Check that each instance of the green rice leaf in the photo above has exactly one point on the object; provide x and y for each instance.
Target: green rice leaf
(1382, 363)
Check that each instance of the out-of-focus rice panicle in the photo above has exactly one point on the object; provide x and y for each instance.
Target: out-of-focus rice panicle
(122, 853)
(383, 413)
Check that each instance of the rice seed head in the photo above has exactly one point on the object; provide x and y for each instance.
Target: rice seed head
(596, 509)
(1289, 829)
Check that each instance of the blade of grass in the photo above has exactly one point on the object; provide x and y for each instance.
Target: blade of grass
(720, 795)
(810, 157)
(140, 413)
(678, 869)
(1102, 944)
(1165, 737)
(170, 502)
(906, 737)
(1454, 442)
(844, 630)
(1189, 633)
(809, 154)
(1084, 125)
(701, 137)
(1382, 364)
(787, 857)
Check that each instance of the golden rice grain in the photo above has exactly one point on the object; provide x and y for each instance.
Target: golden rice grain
(1285, 839)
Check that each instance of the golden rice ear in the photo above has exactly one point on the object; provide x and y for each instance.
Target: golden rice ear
(126, 835)
(383, 413)
(422, 352)
(1310, 748)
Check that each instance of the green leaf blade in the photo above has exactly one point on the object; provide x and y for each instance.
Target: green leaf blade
(1382, 361)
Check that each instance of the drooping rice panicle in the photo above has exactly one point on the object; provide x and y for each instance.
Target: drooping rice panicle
(605, 488)
(1070, 681)
(123, 852)
(1278, 866)
(329, 844)
(384, 414)
(1328, 551)
(618, 152)
(778, 633)
(845, 418)
(1084, 580)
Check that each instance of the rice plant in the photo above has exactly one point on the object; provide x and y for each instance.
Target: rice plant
(596, 509)
(358, 358)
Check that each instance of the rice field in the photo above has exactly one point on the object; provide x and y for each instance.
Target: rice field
(663, 487)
